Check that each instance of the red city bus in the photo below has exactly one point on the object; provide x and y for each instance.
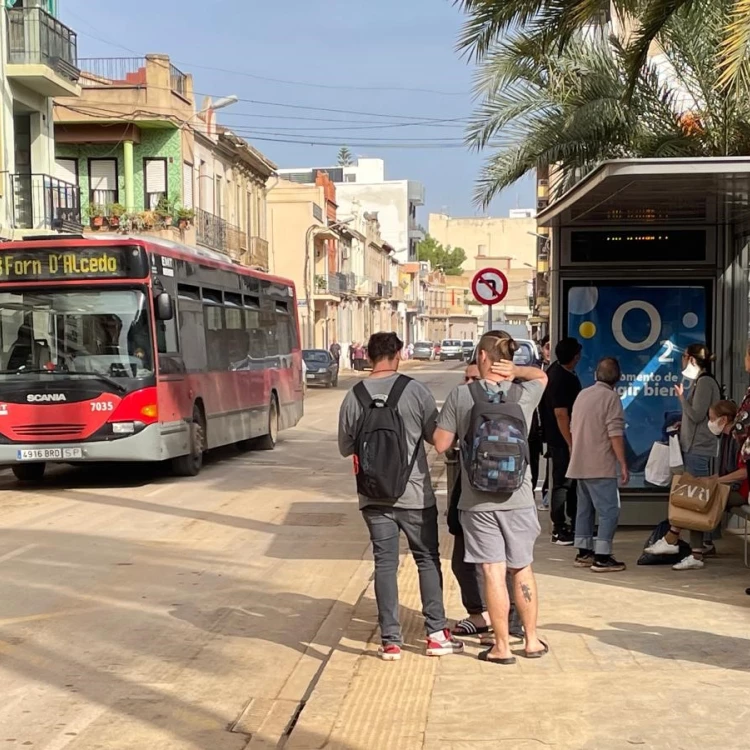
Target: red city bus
(126, 349)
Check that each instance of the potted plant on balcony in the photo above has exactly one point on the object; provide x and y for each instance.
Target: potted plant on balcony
(320, 283)
(164, 211)
(96, 214)
(185, 217)
(115, 212)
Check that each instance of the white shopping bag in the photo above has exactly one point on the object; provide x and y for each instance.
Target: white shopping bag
(657, 469)
(676, 463)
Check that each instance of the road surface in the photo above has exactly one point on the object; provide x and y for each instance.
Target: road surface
(142, 611)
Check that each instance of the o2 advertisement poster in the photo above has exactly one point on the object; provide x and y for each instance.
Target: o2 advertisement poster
(647, 328)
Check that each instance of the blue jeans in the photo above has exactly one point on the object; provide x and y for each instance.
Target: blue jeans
(597, 496)
(698, 466)
(420, 528)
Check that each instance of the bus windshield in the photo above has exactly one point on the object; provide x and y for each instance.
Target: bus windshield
(86, 332)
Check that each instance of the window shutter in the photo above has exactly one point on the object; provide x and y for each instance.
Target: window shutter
(187, 185)
(156, 176)
(103, 174)
(65, 170)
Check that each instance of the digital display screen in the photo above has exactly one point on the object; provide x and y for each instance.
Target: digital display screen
(638, 246)
(72, 263)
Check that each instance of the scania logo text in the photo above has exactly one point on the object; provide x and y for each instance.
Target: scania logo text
(34, 398)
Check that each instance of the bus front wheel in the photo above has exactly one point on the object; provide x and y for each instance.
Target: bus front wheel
(29, 472)
(268, 441)
(191, 464)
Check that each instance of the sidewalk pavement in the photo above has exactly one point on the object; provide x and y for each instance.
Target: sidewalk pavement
(647, 658)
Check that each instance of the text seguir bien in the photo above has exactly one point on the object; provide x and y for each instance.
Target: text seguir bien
(651, 384)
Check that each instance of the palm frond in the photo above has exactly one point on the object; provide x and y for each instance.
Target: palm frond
(735, 47)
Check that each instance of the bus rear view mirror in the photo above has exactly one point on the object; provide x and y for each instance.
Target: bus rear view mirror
(164, 308)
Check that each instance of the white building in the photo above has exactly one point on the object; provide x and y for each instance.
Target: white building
(363, 187)
(38, 61)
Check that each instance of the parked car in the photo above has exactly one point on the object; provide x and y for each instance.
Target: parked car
(451, 349)
(422, 350)
(322, 368)
(467, 347)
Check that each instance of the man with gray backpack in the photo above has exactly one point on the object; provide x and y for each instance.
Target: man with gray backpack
(491, 419)
(383, 424)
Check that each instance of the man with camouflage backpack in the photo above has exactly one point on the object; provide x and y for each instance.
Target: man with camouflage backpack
(491, 418)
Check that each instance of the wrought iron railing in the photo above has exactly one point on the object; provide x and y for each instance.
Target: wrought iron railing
(41, 201)
(178, 81)
(100, 72)
(35, 36)
(216, 233)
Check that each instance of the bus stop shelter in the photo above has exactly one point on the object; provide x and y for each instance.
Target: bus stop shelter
(648, 256)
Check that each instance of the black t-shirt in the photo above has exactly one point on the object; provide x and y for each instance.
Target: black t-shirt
(562, 390)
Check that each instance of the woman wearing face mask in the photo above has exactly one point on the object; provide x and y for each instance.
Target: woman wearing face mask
(731, 471)
(698, 444)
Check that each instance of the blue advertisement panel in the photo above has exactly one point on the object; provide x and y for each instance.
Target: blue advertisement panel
(647, 328)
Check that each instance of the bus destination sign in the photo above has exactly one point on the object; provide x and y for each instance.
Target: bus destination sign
(72, 263)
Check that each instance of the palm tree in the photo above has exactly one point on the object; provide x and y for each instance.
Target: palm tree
(569, 109)
(556, 21)
(345, 157)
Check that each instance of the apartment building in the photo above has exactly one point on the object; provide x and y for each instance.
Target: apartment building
(147, 160)
(340, 263)
(363, 186)
(38, 61)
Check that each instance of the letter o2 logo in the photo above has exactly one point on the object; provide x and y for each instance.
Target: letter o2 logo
(654, 319)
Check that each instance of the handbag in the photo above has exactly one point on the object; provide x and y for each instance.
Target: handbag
(657, 469)
(675, 455)
(697, 503)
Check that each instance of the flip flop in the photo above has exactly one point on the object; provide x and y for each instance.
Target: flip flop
(467, 627)
(537, 654)
(485, 656)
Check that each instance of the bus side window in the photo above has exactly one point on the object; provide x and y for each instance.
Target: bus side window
(166, 336)
(192, 334)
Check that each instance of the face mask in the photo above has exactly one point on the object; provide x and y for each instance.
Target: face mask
(716, 428)
(691, 372)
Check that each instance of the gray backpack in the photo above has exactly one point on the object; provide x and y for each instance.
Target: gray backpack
(495, 449)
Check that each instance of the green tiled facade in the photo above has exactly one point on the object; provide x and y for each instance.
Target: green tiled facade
(155, 143)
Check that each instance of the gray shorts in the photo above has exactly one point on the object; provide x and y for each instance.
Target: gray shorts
(508, 536)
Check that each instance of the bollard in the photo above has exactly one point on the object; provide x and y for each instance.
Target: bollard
(451, 469)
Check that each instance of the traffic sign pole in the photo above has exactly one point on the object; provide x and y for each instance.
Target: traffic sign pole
(489, 318)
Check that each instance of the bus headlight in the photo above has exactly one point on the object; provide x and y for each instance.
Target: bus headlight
(123, 428)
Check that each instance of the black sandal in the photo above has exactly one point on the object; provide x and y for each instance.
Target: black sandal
(537, 654)
(485, 656)
(467, 627)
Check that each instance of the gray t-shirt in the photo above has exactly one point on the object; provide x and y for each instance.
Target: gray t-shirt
(418, 411)
(456, 417)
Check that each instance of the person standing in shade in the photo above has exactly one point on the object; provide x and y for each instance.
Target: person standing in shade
(597, 427)
(557, 406)
(699, 445)
(414, 511)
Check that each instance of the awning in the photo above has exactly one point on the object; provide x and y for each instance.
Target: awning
(656, 191)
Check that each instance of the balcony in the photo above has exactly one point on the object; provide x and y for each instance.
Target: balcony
(415, 192)
(217, 234)
(42, 53)
(258, 256)
(41, 201)
(331, 284)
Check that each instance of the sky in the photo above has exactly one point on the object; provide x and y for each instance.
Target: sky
(353, 73)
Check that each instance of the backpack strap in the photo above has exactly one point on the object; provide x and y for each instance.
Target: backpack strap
(362, 394)
(397, 390)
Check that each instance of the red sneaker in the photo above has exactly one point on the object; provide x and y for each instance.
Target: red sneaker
(443, 644)
(390, 652)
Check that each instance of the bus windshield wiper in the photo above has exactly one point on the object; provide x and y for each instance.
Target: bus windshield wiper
(99, 376)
